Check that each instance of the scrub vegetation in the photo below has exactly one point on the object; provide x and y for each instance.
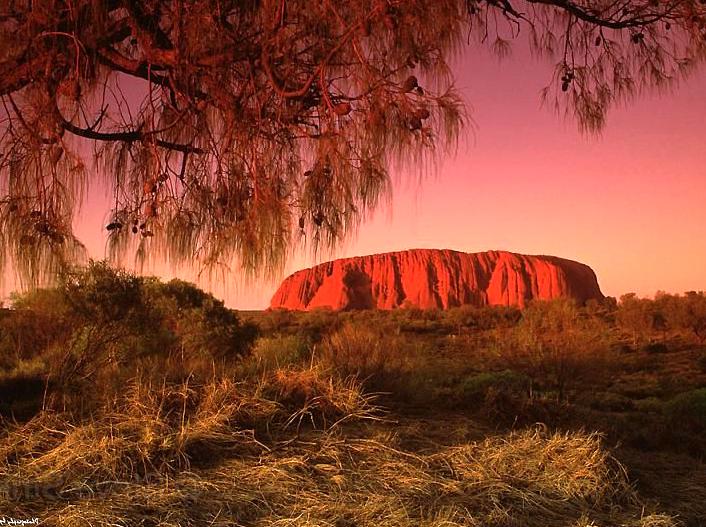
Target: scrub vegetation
(128, 401)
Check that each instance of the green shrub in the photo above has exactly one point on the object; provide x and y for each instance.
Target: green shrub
(26, 332)
(558, 347)
(650, 405)
(688, 410)
(102, 327)
(101, 294)
(471, 317)
(200, 323)
(423, 326)
(280, 352)
(276, 320)
(318, 323)
(638, 317)
(610, 402)
(475, 388)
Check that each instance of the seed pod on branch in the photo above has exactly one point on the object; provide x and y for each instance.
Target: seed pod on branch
(342, 108)
(410, 84)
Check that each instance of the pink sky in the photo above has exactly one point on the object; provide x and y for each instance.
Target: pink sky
(630, 204)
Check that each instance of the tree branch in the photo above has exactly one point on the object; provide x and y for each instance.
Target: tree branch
(583, 14)
(128, 137)
(16, 74)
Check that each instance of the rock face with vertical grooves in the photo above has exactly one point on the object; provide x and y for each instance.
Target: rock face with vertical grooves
(430, 278)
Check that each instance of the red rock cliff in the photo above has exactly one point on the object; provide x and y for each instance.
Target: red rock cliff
(429, 278)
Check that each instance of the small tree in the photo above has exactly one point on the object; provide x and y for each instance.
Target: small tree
(201, 324)
(637, 316)
(109, 320)
(688, 313)
(696, 314)
(100, 317)
(559, 346)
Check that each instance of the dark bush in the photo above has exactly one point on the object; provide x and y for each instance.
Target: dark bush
(318, 323)
(655, 347)
(610, 402)
(103, 326)
(200, 323)
(474, 388)
(471, 317)
(687, 411)
(623, 348)
(701, 361)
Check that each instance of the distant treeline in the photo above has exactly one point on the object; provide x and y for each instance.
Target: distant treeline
(642, 319)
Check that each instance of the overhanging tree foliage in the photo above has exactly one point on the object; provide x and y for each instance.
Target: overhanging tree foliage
(225, 127)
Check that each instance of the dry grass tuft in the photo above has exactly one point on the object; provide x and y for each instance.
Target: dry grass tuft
(314, 395)
(324, 478)
(155, 432)
(550, 467)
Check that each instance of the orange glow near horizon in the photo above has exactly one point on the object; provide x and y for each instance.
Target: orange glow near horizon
(630, 203)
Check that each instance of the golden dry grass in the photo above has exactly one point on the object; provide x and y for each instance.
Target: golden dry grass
(276, 453)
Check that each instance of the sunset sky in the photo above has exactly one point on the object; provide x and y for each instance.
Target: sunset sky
(629, 203)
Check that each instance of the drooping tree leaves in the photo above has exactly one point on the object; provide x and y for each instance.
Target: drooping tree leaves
(227, 129)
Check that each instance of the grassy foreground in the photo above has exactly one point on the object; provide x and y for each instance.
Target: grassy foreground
(227, 454)
(129, 402)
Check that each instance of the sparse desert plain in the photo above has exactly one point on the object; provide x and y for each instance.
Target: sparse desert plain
(128, 401)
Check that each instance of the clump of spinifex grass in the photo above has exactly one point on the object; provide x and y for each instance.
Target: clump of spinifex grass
(329, 480)
(268, 453)
(155, 431)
